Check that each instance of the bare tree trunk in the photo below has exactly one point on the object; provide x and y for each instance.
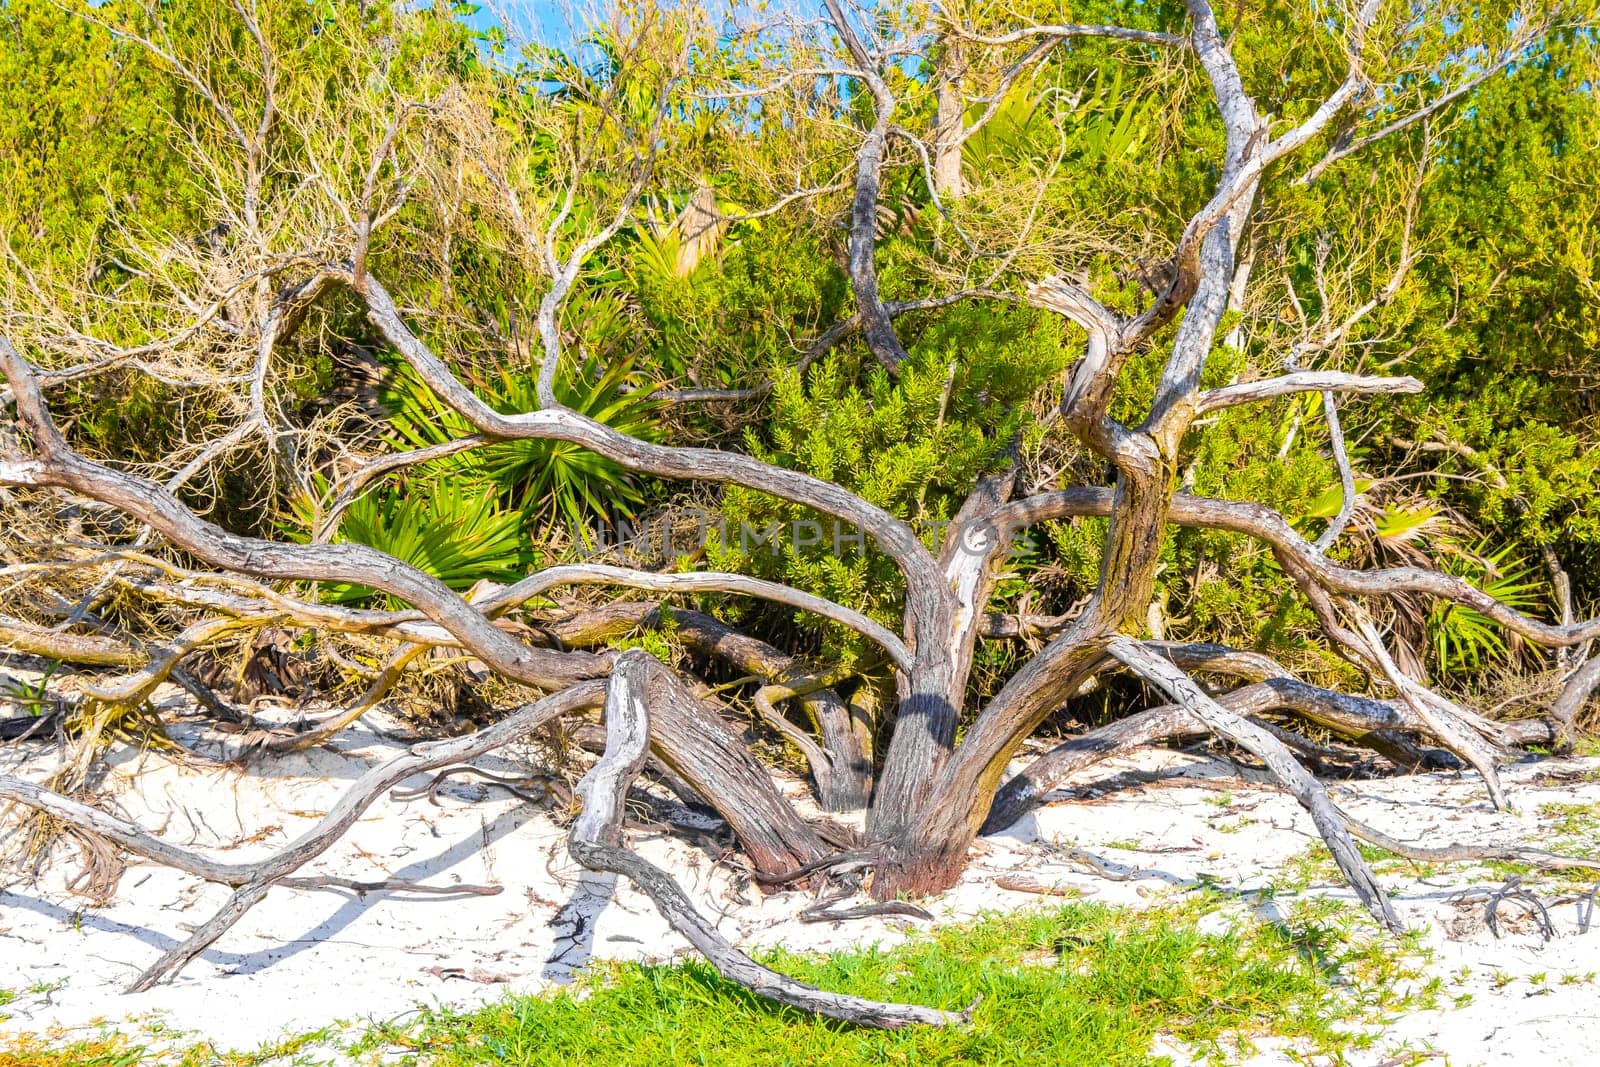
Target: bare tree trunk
(596, 842)
(694, 742)
(842, 766)
(947, 178)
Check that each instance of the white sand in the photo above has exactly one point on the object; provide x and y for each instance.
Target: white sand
(304, 960)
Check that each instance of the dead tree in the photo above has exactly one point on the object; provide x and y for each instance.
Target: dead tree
(928, 795)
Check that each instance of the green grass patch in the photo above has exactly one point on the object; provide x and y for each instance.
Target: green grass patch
(113, 1049)
(1578, 821)
(1079, 984)
(1082, 984)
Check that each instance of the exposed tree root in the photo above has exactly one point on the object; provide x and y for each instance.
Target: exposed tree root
(596, 843)
(1512, 890)
(1368, 723)
(518, 787)
(1534, 857)
(828, 911)
(840, 758)
(1030, 883)
(87, 649)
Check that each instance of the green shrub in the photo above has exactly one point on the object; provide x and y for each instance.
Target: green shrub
(455, 531)
(544, 480)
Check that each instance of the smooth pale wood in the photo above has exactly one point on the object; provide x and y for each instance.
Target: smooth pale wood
(1575, 693)
(92, 650)
(1302, 382)
(1438, 714)
(1454, 853)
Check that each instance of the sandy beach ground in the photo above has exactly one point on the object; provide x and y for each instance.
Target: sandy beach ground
(302, 960)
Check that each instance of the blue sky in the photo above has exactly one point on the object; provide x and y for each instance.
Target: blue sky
(554, 21)
(546, 20)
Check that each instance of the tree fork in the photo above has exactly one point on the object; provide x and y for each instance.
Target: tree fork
(596, 842)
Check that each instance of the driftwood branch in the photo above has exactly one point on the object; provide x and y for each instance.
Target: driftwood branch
(1067, 31)
(1442, 718)
(1367, 722)
(1261, 744)
(252, 880)
(59, 465)
(1266, 525)
(876, 326)
(1579, 687)
(1302, 382)
(1454, 853)
(596, 843)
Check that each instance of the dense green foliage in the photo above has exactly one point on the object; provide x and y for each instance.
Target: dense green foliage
(546, 481)
(451, 528)
(1097, 160)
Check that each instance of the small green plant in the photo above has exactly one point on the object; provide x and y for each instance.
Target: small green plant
(545, 480)
(1103, 122)
(1464, 638)
(456, 532)
(674, 249)
(1570, 819)
(33, 698)
(161, 1047)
